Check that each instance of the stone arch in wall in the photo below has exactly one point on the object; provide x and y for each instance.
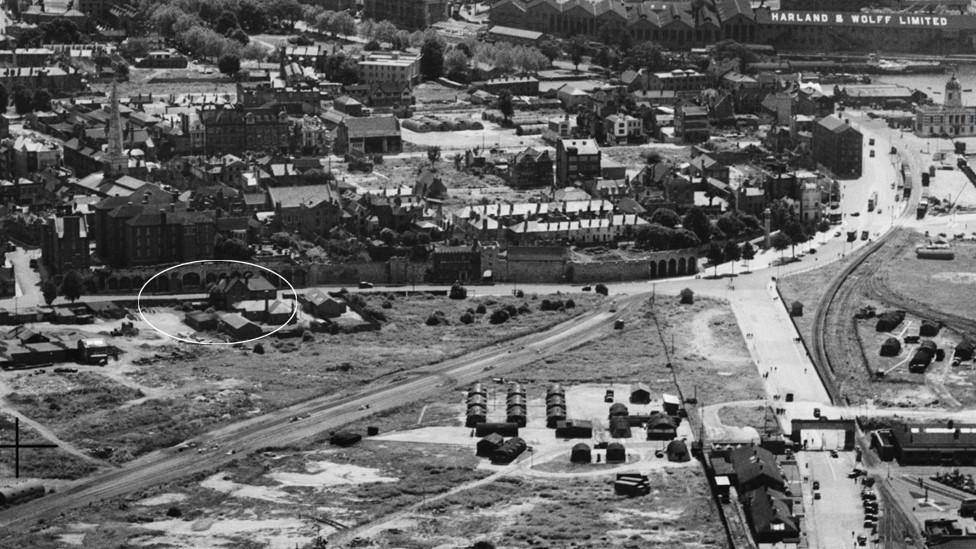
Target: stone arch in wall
(211, 278)
(662, 268)
(672, 267)
(191, 280)
(112, 283)
(681, 266)
(653, 269)
(162, 284)
(692, 265)
(125, 283)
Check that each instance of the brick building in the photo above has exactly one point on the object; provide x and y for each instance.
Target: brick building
(530, 168)
(374, 134)
(837, 146)
(576, 159)
(65, 244)
(310, 210)
(151, 227)
(238, 130)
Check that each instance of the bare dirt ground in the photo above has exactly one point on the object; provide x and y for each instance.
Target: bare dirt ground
(160, 394)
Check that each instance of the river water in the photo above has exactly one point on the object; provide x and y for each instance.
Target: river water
(930, 83)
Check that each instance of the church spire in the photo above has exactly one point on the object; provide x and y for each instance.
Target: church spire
(115, 162)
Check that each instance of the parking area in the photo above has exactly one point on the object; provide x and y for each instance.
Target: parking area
(830, 522)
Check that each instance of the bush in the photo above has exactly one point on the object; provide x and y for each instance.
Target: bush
(174, 512)
(500, 316)
(387, 305)
(570, 304)
(259, 348)
(687, 296)
(601, 289)
(481, 309)
(524, 309)
(432, 320)
(467, 318)
(307, 336)
(511, 310)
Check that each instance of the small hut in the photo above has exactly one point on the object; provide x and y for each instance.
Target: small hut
(616, 453)
(640, 393)
(618, 409)
(964, 349)
(796, 309)
(619, 427)
(487, 446)
(580, 454)
(929, 328)
(891, 347)
(678, 451)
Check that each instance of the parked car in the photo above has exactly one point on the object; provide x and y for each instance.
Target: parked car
(587, 288)
(608, 396)
(365, 285)
(816, 485)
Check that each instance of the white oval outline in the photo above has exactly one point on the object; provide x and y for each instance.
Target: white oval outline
(294, 292)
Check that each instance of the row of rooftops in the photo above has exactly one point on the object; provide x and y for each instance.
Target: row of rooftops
(657, 13)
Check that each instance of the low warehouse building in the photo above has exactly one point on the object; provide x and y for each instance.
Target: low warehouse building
(238, 327)
(21, 492)
(580, 454)
(891, 347)
(616, 453)
(923, 357)
(516, 414)
(476, 415)
(574, 428)
(554, 415)
(201, 321)
(504, 429)
(631, 485)
(487, 446)
(946, 444)
(345, 438)
(678, 451)
(509, 451)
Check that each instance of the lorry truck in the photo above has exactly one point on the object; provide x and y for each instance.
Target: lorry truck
(872, 202)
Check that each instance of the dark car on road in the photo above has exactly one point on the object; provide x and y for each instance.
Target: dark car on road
(365, 285)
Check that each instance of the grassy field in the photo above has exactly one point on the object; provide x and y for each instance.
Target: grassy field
(761, 418)
(948, 286)
(41, 462)
(710, 354)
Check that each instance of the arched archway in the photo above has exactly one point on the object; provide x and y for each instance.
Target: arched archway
(653, 269)
(137, 282)
(162, 284)
(692, 265)
(211, 278)
(681, 266)
(672, 267)
(113, 283)
(90, 287)
(125, 283)
(662, 268)
(191, 280)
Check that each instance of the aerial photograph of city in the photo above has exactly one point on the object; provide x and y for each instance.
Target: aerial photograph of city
(497, 274)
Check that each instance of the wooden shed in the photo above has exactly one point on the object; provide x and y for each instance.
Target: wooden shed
(616, 453)
(580, 454)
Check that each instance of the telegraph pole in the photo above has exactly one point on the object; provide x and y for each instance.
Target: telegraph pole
(17, 446)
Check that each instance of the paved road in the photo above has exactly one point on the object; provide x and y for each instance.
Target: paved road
(832, 519)
(28, 292)
(323, 415)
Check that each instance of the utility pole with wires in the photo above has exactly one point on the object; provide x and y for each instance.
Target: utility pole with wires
(17, 445)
